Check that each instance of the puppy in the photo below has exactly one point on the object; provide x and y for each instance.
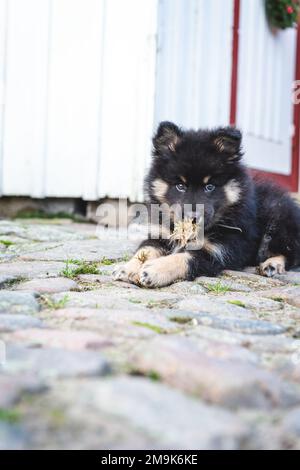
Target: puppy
(246, 221)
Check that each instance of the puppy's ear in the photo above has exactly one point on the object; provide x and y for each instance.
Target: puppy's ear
(228, 141)
(166, 138)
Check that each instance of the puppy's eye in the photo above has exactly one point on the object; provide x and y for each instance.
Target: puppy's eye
(181, 187)
(209, 188)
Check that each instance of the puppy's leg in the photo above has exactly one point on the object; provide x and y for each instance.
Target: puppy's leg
(185, 265)
(163, 271)
(129, 272)
(272, 266)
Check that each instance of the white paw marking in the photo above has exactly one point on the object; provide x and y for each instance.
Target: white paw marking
(128, 272)
(150, 276)
(272, 266)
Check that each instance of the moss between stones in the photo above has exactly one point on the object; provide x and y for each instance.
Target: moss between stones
(181, 320)
(40, 214)
(10, 416)
(237, 302)
(6, 243)
(48, 302)
(13, 282)
(159, 304)
(151, 374)
(155, 328)
(135, 301)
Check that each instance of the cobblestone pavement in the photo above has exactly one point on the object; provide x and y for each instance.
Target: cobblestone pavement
(94, 364)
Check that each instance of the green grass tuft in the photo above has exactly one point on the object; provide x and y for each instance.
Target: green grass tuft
(217, 288)
(107, 262)
(9, 416)
(82, 267)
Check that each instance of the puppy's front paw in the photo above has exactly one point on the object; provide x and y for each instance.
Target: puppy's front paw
(163, 271)
(150, 276)
(272, 266)
(128, 272)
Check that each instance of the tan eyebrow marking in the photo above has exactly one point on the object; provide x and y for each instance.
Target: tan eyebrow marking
(206, 179)
(159, 188)
(183, 179)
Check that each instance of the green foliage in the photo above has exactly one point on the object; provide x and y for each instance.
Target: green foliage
(282, 13)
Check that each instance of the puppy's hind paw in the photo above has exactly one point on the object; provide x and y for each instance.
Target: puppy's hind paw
(272, 266)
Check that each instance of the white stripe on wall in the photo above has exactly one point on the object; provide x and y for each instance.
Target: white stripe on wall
(127, 96)
(74, 97)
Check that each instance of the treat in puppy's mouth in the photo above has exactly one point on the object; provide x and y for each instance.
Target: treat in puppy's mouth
(185, 231)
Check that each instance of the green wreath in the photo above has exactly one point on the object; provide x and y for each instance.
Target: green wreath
(283, 13)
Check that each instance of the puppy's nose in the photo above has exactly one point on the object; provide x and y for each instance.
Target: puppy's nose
(194, 215)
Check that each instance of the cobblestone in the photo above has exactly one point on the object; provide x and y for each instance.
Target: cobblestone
(92, 363)
(17, 302)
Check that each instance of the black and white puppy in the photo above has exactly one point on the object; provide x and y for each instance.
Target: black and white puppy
(246, 221)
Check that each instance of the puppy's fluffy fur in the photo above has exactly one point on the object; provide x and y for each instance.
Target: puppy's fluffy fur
(247, 221)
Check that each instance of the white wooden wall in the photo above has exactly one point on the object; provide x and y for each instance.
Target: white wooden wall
(84, 82)
(77, 89)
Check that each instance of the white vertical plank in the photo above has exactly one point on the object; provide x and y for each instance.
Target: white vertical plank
(128, 96)
(25, 97)
(74, 97)
(3, 31)
(194, 62)
(145, 97)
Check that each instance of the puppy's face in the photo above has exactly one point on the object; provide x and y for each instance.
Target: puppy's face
(193, 168)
